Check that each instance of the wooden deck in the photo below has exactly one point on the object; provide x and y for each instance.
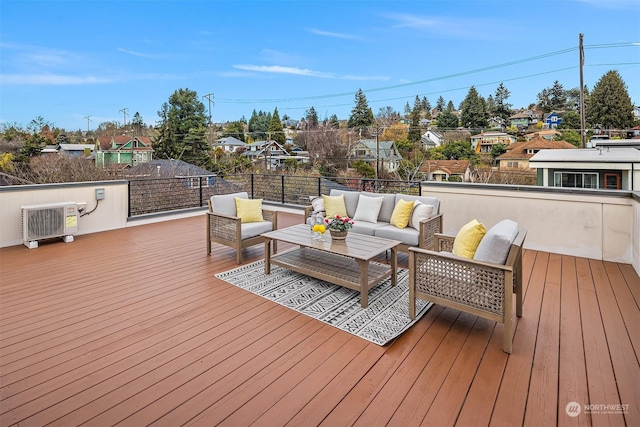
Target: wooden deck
(131, 327)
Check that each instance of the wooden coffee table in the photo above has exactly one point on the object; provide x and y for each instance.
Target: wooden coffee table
(343, 262)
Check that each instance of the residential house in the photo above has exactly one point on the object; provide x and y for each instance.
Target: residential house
(196, 176)
(369, 150)
(432, 139)
(272, 153)
(519, 153)
(524, 118)
(70, 150)
(548, 134)
(230, 144)
(116, 152)
(552, 120)
(602, 167)
(484, 142)
(445, 170)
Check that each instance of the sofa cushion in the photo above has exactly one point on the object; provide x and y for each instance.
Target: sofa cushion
(225, 204)
(468, 238)
(368, 208)
(409, 236)
(427, 200)
(249, 210)
(350, 200)
(495, 245)
(420, 212)
(317, 203)
(388, 203)
(368, 228)
(402, 213)
(334, 205)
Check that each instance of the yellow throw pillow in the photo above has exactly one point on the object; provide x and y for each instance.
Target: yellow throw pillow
(249, 210)
(334, 205)
(468, 239)
(402, 213)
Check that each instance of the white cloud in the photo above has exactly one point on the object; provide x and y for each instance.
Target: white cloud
(332, 34)
(277, 69)
(444, 26)
(364, 78)
(50, 79)
(140, 54)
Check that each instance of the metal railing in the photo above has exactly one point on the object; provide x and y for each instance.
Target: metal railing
(168, 194)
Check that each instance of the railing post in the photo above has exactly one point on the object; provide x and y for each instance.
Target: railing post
(282, 188)
(129, 198)
(252, 185)
(319, 186)
(200, 188)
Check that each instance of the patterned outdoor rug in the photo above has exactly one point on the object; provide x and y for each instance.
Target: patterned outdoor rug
(386, 317)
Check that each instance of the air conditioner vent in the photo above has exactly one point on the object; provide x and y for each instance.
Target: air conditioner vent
(46, 221)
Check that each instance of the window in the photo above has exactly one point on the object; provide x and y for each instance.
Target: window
(513, 164)
(576, 179)
(194, 182)
(360, 152)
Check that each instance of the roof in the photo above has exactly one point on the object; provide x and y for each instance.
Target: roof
(76, 147)
(170, 167)
(386, 148)
(230, 140)
(452, 167)
(588, 155)
(518, 150)
(541, 133)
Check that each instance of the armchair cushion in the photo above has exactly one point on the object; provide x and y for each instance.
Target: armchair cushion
(368, 209)
(225, 204)
(495, 245)
(253, 229)
(402, 213)
(468, 238)
(334, 205)
(249, 210)
(420, 212)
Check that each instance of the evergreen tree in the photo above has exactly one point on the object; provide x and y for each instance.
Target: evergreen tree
(275, 130)
(447, 120)
(182, 129)
(311, 117)
(234, 129)
(407, 110)
(415, 133)
(473, 110)
(361, 115)
(570, 120)
(553, 98)
(426, 107)
(440, 104)
(259, 125)
(609, 103)
(334, 123)
(502, 108)
(137, 124)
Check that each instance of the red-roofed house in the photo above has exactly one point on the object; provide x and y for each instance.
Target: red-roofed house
(443, 170)
(122, 150)
(519, 153)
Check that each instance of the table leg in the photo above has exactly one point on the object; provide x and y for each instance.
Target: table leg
(267, 256)
(364, 282)
(394, 266)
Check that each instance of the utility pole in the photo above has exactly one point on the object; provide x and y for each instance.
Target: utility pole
(583, 131)
(88, 121)
(209, 97)
(124, 112)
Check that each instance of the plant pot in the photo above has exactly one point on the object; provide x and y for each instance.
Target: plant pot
(339, 235)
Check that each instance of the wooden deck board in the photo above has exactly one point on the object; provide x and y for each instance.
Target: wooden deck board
(138, 331)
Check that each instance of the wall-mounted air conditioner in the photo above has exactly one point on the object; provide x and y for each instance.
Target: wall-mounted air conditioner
(49, 220)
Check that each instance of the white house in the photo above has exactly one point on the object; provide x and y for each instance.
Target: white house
(603, 167)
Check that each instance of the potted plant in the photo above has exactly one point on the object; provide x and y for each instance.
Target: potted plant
(339, 226)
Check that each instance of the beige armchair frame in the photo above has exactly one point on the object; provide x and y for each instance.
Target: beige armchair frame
(227, 230)
(479, 288)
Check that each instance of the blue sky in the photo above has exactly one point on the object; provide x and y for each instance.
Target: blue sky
(65, 60)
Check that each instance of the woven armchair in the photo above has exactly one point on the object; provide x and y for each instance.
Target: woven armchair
(225, 228)
(479, 288)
